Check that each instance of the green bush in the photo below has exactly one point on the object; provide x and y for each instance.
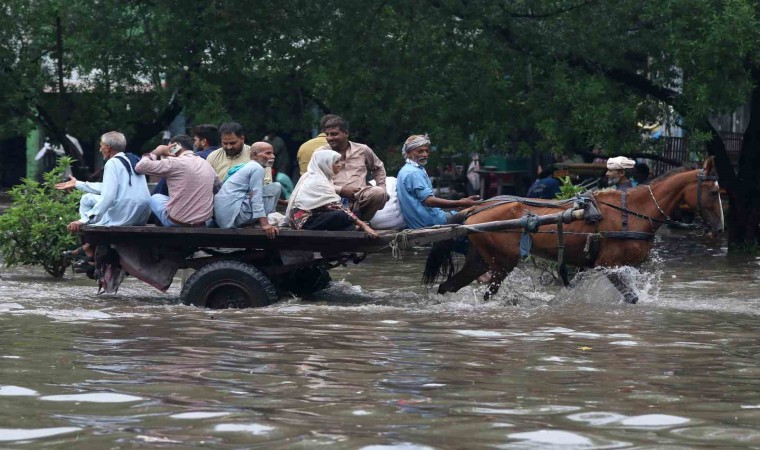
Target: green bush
(568, 189)
(33, 230)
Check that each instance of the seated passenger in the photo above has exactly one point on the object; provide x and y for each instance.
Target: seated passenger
(241, 200)
(640, 174)
(234, 151)
(359, 161)
(419, 206)
(616, 176)
(121, 199)
(191, 181)
(314, 204)
(187, 143)
(286, 183)
(263, 153)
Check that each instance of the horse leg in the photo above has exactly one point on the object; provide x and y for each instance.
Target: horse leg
(497, 276)
(628, 295)
(474, 266)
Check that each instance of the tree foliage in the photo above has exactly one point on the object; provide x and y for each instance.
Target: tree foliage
(33, 229)
(526, 75)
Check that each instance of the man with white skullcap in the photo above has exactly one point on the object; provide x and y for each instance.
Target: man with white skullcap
(419, 206)
(616, 176)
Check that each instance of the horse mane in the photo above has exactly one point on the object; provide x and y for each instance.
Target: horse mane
(661, 178)
(671, 173)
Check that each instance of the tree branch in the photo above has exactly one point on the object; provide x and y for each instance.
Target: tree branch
(550, 14)
(60, 135)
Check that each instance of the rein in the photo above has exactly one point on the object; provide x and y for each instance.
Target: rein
(701, 177)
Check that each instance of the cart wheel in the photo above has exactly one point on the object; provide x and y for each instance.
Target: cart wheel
(228, 284)
(305, 281)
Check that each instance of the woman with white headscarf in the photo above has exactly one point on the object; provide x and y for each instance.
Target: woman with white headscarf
(314, 204)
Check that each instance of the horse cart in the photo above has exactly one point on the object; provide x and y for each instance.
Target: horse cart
(240, 268)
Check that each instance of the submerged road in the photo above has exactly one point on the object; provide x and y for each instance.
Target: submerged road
(377, 362)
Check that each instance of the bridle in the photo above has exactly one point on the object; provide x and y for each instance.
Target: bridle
(699, 221)
(701, 177)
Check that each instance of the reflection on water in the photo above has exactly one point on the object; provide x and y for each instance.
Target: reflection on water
(378, 362)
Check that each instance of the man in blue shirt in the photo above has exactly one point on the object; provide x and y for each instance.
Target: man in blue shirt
(244, 199)
(546, 186)
(419, 206)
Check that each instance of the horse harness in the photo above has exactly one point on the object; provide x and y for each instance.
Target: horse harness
(701, 177)
(588, 202)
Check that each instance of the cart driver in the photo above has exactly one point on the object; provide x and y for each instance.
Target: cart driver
(419, 206)
(616, 176)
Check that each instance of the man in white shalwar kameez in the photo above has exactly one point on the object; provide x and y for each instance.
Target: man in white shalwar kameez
(122, 198)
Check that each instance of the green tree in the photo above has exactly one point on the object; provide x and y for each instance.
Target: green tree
(586, 68)
(559, 75)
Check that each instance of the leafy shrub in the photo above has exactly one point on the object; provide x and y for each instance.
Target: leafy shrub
(568, 189)
(33, 230)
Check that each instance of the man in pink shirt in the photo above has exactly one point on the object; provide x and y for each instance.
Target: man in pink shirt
(192, 183)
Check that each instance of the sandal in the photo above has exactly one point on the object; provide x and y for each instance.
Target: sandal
(74, 255)
(84, 266)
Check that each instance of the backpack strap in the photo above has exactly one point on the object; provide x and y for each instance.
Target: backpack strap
(127, 165)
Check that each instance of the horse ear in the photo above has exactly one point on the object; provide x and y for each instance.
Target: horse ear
(709, 166)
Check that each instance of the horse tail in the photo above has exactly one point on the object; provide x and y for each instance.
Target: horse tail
(440, 261)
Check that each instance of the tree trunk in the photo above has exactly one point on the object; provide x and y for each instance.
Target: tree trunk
(744, 211)
(144, 132)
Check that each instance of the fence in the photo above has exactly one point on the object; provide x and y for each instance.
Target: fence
(677, 148)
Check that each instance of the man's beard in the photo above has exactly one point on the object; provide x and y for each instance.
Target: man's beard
(233, 152)
(422, 161)
(265, 162)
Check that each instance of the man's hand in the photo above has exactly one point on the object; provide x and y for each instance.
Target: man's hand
(68, 185)
(271, 230)
(469, 201)
(74, 226)
(349, 192)
(367, 229)
(162, 150)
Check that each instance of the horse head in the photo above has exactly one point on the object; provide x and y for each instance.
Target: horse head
(705, 198)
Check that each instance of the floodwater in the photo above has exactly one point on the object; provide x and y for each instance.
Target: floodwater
(377, 362)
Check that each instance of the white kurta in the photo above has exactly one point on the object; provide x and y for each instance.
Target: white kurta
(115, 202)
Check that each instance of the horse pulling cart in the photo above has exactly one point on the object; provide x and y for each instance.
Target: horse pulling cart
(240, 268)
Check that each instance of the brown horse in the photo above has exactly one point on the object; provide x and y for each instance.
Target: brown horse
(621, 238)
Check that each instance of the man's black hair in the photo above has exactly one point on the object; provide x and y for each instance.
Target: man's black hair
(334, 121)
(325, 119)
(641, 168)
(184, 140)
(547, 171)
(208, 132)
(232, 128)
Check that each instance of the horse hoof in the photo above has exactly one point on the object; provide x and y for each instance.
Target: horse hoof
(631, 298)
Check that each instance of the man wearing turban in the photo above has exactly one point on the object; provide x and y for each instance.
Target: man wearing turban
(616, 176)
(419, 206)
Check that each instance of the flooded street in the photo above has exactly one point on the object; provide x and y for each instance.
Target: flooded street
(377, 362)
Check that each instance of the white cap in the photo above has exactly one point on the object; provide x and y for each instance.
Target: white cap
(620, 163)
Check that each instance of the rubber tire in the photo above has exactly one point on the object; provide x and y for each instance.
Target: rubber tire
(228, 284)
(305, 281)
